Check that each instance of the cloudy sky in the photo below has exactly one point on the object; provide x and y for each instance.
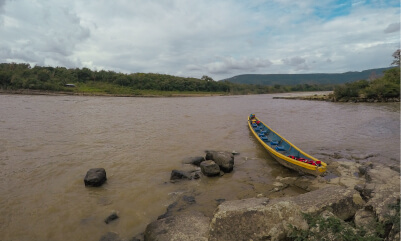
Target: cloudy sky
(192, 38)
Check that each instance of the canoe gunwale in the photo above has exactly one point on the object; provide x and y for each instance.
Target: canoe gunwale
(285, 160)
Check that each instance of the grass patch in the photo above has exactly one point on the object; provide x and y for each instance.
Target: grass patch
(333, 228)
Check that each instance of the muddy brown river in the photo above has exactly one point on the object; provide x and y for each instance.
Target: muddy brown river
(47, 144)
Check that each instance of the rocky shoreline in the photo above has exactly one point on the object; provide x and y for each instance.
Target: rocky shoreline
(358, 195)
(331, 98)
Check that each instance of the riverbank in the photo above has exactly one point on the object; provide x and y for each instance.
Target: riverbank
(331, 98)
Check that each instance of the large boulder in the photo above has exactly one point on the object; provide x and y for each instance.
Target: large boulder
(224, 159)
(95, 177)
(382, 189)
(383, 175)
(340, 201)
(255, 219)
(261, 219)
(190, 226)
(210, 168)
(365, 219)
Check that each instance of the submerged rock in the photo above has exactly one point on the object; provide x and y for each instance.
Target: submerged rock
(181, 205)
(210, 168)
(197, 160)
(176, 175)
(95, 177)
(224, 159)
(111, 217)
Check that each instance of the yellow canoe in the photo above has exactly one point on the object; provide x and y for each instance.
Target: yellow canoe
(284, 151)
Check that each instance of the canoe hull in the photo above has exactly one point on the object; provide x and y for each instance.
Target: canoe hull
(283, 156)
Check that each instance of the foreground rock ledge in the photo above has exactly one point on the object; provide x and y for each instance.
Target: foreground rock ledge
(363, 199)
(261, 219)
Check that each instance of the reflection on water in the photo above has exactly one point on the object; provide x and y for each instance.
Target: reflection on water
(48, 143)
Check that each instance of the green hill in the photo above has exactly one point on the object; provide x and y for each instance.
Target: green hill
(295, 79)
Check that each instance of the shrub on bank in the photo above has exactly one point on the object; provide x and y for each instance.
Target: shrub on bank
(382, 88)
(333, 228)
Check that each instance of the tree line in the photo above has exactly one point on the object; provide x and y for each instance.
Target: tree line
(14, 76)
(22, 76)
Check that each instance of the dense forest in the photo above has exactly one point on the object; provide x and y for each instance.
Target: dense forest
(383, 88)
(21, 76)
(16, 76)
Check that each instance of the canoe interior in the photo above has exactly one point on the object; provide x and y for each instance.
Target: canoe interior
(283, 151)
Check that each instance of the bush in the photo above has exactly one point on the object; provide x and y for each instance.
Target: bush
(382, 88)
(332, 228)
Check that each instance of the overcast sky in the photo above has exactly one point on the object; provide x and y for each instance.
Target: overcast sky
(192, 38)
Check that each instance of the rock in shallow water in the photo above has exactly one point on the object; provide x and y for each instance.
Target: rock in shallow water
(95, 177)
(224, 159)
(197, 160)
(210, 168)
(176, 175)
(111, 217)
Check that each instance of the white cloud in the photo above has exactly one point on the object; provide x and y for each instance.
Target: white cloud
(40, 33)
(195, 38)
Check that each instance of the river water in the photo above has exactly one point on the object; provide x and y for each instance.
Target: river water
(47, 144)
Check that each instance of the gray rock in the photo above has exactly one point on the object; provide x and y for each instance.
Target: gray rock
(210, 168)
(176, 175)
(395, 168)
(261, 219)
(381, 204)
(366, 190)
(365, 219)
(342, 202)
(255, 219)
(181, 205)
(382, 175)
(363, 169)
(95, 177)
(191, 226)
(224, 159)
(111, 217)
(197, 160)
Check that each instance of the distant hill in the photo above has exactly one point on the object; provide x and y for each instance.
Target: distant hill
(294, 79)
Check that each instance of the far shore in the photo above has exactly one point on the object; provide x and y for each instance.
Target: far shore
(66, 93)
